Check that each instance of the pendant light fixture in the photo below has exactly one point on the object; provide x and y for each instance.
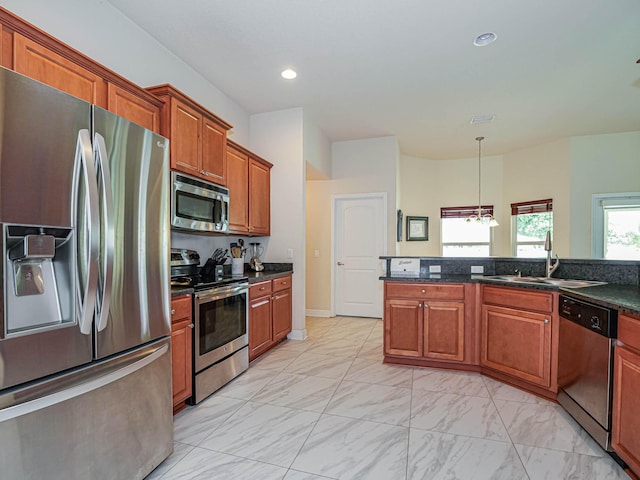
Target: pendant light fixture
(478, 217)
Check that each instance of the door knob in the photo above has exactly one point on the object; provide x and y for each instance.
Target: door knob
(340, 263)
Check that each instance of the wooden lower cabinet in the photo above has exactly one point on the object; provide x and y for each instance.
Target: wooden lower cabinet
(518, 327)
(424, 327)
(626, 391)
(270, 314)
(181, 350)
(518, 343)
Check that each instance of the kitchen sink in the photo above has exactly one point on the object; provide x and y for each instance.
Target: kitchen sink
(556, 282)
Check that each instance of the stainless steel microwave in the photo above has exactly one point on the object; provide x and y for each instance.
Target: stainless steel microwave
(198, 205)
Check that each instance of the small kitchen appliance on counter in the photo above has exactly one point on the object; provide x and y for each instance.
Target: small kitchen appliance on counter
(254, 262)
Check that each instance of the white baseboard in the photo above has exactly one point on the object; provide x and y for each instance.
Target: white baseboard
(297, 334)
(318, 313)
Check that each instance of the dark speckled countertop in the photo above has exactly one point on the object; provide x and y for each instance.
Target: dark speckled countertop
(623, 297)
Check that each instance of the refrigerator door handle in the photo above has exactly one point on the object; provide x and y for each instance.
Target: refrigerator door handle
(67, 393)
(86, 222)
(108, 233)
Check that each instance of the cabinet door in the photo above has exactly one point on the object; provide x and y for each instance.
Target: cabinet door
(281, 311)
(403, 327)
(626, 421)
(214, 155)
(38, 62)
(259, 198)
(238, 184)
(133, 108)
(181, 353)
(518, 343)
(444, 330)
(186, 149)
(260, 333)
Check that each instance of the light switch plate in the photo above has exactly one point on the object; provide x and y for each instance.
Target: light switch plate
(290, 253)
(477, 269)
(435, 269)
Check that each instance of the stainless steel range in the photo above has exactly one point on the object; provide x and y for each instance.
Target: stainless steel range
(585, 365)
(220, 312)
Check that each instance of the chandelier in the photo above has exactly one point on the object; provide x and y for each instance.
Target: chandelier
(479, 217)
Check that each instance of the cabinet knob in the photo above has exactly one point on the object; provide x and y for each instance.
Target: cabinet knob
(426, 306)
(262, 288)
(191, 325)
(546, 320)
(173, 311)
(284, 283)
(202, 172)
(424, 291)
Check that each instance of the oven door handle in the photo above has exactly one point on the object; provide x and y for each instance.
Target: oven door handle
(220, 293)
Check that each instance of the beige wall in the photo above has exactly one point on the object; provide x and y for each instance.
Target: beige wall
(428, 185)
(358, 166)
(535, 174)
(599, 164)
(278, 136)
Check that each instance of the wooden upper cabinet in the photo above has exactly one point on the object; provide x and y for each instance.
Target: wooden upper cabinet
(186, 149)
(133, 108)
(198, 137)
(40, 63)
(249, 182)
(238, 184)
(214, 152)
(259, 198)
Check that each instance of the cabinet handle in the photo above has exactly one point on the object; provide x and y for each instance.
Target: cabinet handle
(262, 288)
(173, 311)
(424, 291)
(546, 320)
(191, 325)
(284, 283)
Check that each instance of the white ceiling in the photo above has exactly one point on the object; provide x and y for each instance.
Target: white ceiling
(369, 68)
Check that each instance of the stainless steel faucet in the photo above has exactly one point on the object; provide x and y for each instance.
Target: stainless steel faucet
(550, 267)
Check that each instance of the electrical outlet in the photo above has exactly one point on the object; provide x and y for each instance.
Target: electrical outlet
(477, 269)
(316, 253)
(435, 269)
(289, 252)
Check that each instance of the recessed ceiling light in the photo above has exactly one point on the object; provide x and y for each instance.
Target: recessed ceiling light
(482, 119)
(485, 39)
(289, 74)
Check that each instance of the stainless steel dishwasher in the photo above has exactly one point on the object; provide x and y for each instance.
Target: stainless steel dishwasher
(585, 365)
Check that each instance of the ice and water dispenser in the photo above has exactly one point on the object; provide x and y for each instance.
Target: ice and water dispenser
(38, 266)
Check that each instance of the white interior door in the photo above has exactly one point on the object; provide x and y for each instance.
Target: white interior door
(359, 240)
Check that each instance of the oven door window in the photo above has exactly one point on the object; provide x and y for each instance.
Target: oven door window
(222, 321)
(195, 207)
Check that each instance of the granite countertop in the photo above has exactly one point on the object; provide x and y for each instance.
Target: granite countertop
(265, 275)
(623, 297)
(175, 291)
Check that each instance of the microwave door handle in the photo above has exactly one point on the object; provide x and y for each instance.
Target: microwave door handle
(107, 232)
(86, 225)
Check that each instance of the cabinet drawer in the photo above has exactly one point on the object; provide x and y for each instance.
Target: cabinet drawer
(260, 289)
(281, 283)
(629, 330)
(180, 308)
(518, 298)
(436, 291)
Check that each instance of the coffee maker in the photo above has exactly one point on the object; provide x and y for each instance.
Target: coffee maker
(255, 263)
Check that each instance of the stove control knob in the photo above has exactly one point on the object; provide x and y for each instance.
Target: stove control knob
(595, 323)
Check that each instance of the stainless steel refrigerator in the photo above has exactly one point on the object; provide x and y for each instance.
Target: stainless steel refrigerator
(85, 363)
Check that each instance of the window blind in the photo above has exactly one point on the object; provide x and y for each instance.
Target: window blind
(535, 206)
(464, 212)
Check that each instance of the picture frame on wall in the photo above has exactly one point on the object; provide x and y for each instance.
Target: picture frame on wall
(417, 228)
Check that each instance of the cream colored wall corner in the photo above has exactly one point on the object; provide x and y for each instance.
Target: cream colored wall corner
(599, 164)
(278, 137)
(358, 166)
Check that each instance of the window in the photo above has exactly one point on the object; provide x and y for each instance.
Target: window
(616, 226)
(460, 238)
(530, 222)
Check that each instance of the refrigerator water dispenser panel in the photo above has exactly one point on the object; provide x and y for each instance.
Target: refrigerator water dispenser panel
(38, 293)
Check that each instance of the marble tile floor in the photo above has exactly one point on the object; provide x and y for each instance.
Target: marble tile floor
(327, 408)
